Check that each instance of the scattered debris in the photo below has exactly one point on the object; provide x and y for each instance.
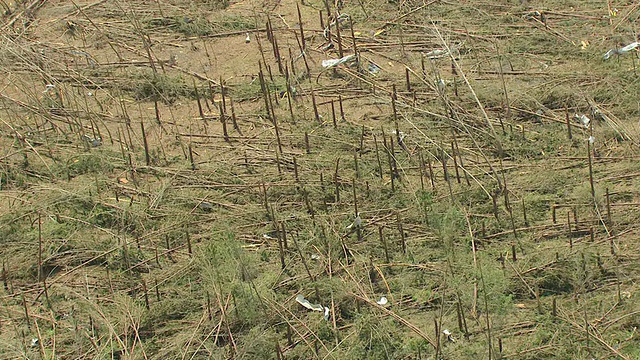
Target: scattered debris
(440, 53)
(583, 119)
(441, 85)
(247, 39)
(621, 51)
(93, 142)
(206, 206)
(48, 87)
(86, 55)
(284, 93)
(304, 302)
(34, 342)
(313, 307)
(584, 44)
(315, 257)
(341, 18)
(437, 53)
(335, 62)
(449, 335)
(373, 68)
(356, 223)
(383, 301)
(401, 136)
(591, 139)
(328, 47)
(268, 237)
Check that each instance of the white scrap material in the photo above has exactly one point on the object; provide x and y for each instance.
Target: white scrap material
(304, 302)
(629, 47)
(440, 53)
(34, 342)
(48, 87)
(531, 15)
(93, 142)
(247, 39)
(326, 313)
(591, 139)
(383, 301)
(335, 62)
(584, 120)
(356, 223)
(449, 335)
(437, 53)
(401, 136)
(621, 51)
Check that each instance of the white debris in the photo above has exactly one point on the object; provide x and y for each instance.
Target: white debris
(93, 142)
(247, 39)
(531, 15)
(441, 85)
(304, 302)
(383, 301)
(440, 53)
(591, 139)
(437, 53)
(449, 335)
(356, 223)
(621, 51)
(48, 87)
(335, 62)
(34, 342)
(629, 47)
(315, 257)
(584, 120)
(401, 135)
(326, 313)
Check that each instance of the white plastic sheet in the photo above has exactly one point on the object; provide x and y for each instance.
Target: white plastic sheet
(304, 302)
(313, 307)
(335, 62)
(622, 50)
